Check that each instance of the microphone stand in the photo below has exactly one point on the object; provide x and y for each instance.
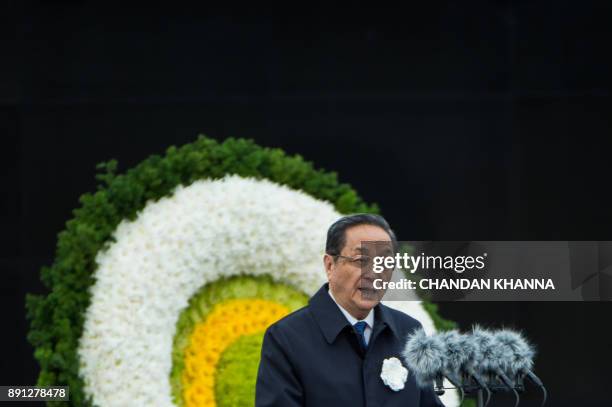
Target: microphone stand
(496, 382)
(467, 384)
(480, 398)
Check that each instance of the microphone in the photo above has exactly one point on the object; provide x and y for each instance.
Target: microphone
(488, 356)
(517, 358)
(461, 358)
(425, 357)
(480, 360)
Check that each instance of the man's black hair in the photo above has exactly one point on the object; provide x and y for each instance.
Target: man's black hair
(336, 234)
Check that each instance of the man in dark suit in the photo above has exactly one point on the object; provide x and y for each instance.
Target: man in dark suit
(331, 352)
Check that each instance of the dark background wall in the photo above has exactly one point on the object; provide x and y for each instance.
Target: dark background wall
(482, 121)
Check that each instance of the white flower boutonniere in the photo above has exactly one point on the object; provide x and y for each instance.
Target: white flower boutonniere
(393, 374)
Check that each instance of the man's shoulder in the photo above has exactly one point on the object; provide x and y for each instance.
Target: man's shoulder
(293, 322)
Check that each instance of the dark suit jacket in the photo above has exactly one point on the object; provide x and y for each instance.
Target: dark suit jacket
(312, 358)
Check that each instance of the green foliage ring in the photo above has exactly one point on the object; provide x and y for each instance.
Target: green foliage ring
(56, 319)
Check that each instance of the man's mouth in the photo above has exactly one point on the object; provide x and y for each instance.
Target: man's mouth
(367, 289)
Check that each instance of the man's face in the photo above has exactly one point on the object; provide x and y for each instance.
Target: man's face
(351, 289)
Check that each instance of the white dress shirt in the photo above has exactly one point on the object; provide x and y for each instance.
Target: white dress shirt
(369, 319)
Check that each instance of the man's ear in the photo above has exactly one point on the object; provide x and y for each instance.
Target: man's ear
(328, 262)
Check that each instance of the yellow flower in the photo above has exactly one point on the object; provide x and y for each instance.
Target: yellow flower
(226, 322)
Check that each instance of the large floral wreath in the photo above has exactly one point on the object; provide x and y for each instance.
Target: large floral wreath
(167, 276)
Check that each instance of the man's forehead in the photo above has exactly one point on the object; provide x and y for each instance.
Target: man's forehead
(357, 237)
(371, 246)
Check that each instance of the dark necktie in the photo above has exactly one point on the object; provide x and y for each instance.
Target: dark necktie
(360, 329)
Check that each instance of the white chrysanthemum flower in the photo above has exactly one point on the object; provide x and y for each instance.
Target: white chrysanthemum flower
(394, 374)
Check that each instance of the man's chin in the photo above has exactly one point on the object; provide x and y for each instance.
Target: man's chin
(366, 300)
(370, 294)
